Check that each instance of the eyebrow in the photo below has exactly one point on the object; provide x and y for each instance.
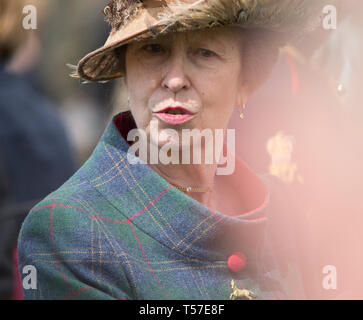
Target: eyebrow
(212, 39)
(191, 38)
(207, 38)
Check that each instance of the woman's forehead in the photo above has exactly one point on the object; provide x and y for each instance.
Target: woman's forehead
(221, 35)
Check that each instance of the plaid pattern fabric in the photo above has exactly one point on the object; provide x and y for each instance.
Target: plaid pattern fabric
(120, 231)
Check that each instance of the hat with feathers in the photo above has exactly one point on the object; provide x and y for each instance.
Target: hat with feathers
(133, 20)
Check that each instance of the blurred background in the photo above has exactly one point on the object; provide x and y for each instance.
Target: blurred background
(304, 125)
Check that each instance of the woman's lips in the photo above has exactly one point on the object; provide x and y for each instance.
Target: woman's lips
(175, 116)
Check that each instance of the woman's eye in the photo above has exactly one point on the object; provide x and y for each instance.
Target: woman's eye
(153, 48)
(206, 53)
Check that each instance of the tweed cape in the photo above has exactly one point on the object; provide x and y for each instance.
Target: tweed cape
(120, 231)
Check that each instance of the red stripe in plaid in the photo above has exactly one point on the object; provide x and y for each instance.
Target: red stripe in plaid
(137, 214)
(74, 293)
(146, 259)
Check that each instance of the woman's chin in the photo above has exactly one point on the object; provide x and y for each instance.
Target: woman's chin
(165, 140)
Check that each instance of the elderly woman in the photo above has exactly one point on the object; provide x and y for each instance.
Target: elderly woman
(132, 225)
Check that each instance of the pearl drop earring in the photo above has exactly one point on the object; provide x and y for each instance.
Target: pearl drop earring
(241, 114)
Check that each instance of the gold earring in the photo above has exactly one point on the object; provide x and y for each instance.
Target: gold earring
(241, 115)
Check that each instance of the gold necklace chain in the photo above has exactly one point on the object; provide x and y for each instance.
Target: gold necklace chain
(192, 189)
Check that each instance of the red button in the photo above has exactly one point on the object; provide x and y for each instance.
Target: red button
(236, 261)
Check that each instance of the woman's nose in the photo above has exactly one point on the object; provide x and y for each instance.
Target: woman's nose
(175, 78)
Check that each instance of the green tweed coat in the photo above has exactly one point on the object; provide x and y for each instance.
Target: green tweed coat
(120, 231)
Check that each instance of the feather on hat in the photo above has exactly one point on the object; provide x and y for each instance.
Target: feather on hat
(133, 20)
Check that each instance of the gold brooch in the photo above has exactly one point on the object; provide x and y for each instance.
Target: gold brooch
(240, 293)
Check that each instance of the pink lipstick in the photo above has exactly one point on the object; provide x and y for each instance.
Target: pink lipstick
(175, 115)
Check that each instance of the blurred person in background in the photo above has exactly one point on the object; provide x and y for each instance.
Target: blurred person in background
(85, 109)
(35, 154)
(312, 142)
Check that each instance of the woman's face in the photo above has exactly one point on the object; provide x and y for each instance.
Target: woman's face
(185, 81)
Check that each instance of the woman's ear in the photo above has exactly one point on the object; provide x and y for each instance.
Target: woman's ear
(243, 90)
(242, 97)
